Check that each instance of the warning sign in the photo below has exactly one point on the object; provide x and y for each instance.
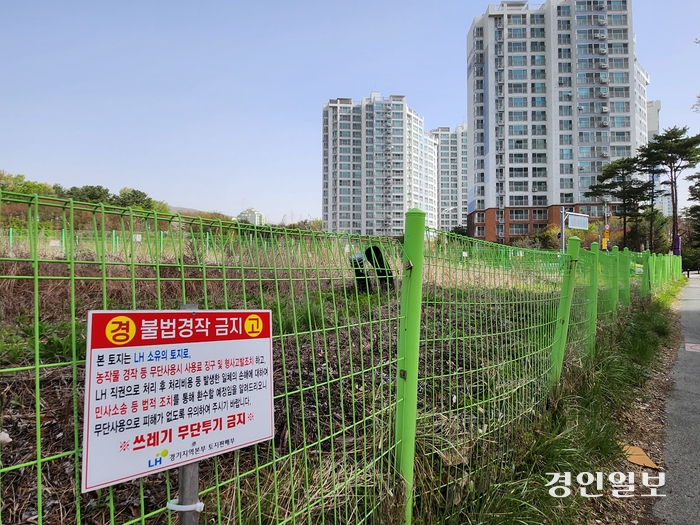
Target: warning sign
(166, 388)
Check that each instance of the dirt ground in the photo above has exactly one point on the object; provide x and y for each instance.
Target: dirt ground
(643, 425)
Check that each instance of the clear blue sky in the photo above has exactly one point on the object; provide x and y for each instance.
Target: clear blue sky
(217, 105)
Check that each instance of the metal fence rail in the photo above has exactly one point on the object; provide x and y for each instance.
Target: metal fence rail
(403, 372)
(334, 348)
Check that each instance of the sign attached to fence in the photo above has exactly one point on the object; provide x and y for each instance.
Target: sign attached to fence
(170, 387)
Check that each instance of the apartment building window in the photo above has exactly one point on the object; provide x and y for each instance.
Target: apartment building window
(617, 20)
(566, 140)
(518, 215)
(516, 88)
(517, 173)
(537, 32)
(517, 116)
(479, 45)
(566, 125)
(517, 102)
(539, 102)
(539, 200)
(518, 200)
(537, 47)
(517, 130)
(517, 20)
(564, 39)
(479, 32)
(566, 198)
(517, 143)
(564, 52)
(617, 5)
(517, 47)
(517, 158)
(480, 191)
(539, 87)
(620, 107)
(539, 215)
(539, 129)
(479, 123)
(517, 60)
(585, 182)
(620, 92)
(537, 60)
(517, 33)
(566, 111)
(620, 136)
(564, 67)
(621, 151)
(479, 71)
(539, 74)
(539, 173)
(480, 204)
(539, 116)
(617, 34)
(565, 82)
(539, 186)
(566, 154)
(565, 96)
(479, 177)
(619, 49)
(563, 10)
(566, 183)
(518, 229)
(479, 231)
(480, 217)
(517, 74)
(539, 158)
(563, 25)
(620, 122)
(566, 169)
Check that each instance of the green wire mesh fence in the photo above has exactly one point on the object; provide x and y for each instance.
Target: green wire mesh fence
(372, 424)
(334, 351)
(488, 324)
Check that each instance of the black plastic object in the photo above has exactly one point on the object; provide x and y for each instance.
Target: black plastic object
(357, 262)
(385, 276)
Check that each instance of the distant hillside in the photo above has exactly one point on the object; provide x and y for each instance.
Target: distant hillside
(197, 213)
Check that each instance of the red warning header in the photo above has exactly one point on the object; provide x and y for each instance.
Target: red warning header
(120, 329)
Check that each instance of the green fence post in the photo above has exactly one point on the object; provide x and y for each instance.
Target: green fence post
(593, 299)
(646, 274)
(564, 312)
(408, 349)
(615, 280)
(624, 272)
(10, 232)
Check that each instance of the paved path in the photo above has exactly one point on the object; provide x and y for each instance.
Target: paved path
(681, 506)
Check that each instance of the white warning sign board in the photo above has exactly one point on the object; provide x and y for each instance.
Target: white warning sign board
(169, 387)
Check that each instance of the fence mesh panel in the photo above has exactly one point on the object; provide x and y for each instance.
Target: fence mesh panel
(488, 323)
(334, 347)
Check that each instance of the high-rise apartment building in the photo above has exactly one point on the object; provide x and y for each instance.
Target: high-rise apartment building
(555, 93)
(378, 162)
(661, 202)
(453, 176)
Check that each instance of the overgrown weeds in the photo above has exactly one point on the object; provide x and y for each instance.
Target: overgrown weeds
(578, 432)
